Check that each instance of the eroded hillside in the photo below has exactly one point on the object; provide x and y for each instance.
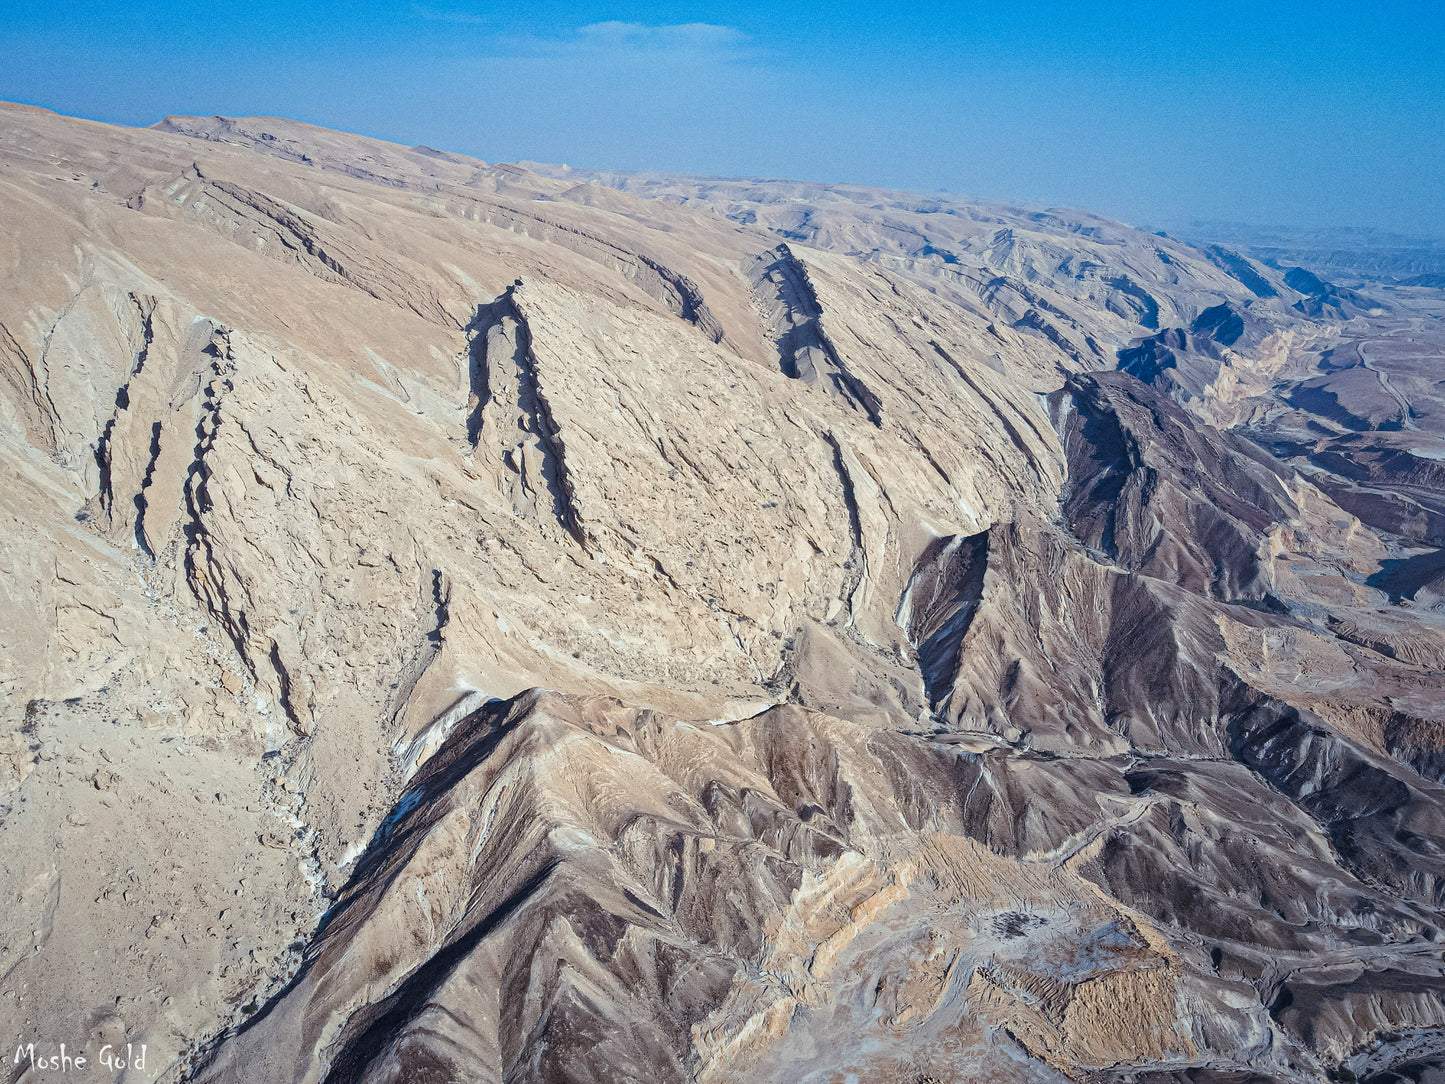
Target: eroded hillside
(458, 623)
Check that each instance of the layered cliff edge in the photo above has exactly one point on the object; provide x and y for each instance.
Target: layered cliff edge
(464, 623)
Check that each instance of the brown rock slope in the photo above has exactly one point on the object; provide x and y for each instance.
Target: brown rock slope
(463, 624)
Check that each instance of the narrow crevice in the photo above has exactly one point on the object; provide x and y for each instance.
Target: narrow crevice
(857, 554)
(534, 403)
(479, 389)
(792, 315)
(938, 607)
(106, 489)
(141, 504)
(283, 679)
(200, 563)
(104, 456)
(442, 599)
(146, 310)
(502, 362)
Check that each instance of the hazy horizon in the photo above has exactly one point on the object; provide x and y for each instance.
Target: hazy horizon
(1305, 116)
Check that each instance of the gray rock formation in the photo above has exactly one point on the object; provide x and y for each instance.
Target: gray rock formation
(464, 622)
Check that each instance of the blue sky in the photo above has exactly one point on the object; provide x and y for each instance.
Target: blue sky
(1280, 112)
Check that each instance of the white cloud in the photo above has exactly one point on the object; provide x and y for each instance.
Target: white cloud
(619, 42)
(608, 43)
(608, 94)
(680, 36)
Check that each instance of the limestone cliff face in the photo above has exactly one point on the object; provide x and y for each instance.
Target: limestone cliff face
(459, 623)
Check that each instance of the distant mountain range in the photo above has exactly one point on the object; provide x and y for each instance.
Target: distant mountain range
(1361, 253)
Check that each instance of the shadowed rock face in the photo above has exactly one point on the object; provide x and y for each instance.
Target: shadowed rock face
(542, 626)
(1159, 493)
